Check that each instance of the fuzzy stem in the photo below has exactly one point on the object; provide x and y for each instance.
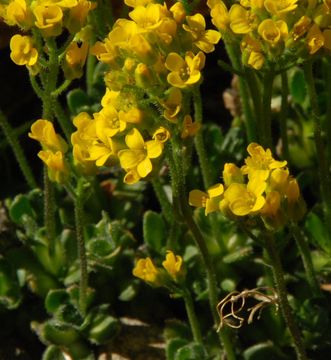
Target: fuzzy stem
(306, 258)
(18, 151)
(192, 317)
(178, 181)
(163, 200)
(323, 171)
(244, 95)
(79, 221)
(63, 120)
(266, 108)
(283, 115)
(282, 297)
(199, 143)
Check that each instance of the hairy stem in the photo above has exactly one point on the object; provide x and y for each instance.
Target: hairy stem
(18, 151)
(282, 297)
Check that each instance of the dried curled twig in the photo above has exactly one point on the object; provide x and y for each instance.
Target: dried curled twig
(236, 301)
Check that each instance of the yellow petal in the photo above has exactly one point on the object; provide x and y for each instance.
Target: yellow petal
(197, 198)
(154, 148)
(134, 140)
(144, 167)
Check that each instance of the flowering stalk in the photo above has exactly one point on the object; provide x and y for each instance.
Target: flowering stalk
(282, 295)
(244, 95)
(192, 317)
(283, 115)
(178, 184)
(163, 200)
(79, 215)
(320, 149)
(266, 108)
(306, 258)
(18, 152)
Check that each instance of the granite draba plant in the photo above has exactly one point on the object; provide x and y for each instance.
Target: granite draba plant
(134, 122)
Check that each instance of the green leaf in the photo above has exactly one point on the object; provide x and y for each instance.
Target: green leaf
(100, 327)
(173, 346)
(10, 295)
(154, 231)
(298, 87)
(19, 207)
(56, 298)
(78, 101)
(191, 351)
(242, 254)
(59, 333)
(264, 351)
(53, 353)
(318, 231)
(129, 292)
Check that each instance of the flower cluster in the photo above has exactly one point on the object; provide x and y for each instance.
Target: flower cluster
(273, 30)
(262, 187)
(54, 148)
(155, 61)
(173, 270)
(49, 18)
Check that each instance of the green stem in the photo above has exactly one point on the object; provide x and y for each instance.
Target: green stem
(250, 122)
(204, 163)
(327, 65)
(266, 108)
(163, 200)
(178, 184)
(49, 210)
(211, 275)
(36, 87)
(283, 116)
(192, 317)
(306, 258)
(79, 221)
(199, 143)
(57, 92)
(17, 149)
(323, 167)
(282, 297)
(90, 67)
(63, 120)
(254, 89)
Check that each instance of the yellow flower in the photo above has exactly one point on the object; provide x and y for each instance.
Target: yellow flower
(18, 13)
(138, 156)
(173, 104)
(315, 39)
(178, 12)
(43, 131)
(146, 270)
(173, 264)
(189, 128)
(245, 199)
(148, 18)
(254, 4)
(202, 38)
(108, 122)
(272, 204)
(77, 16)
(252, 52)
(261, 162)
(135, 3)
(300, 27)
(57, 168)
(22, 50)
(48, 19)
(220, 15)
(186, 72)
(232, 174)
(161, 134)
(273, 31)
(280, 7)
(242, 21)
(75, 59)
(210, 200)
